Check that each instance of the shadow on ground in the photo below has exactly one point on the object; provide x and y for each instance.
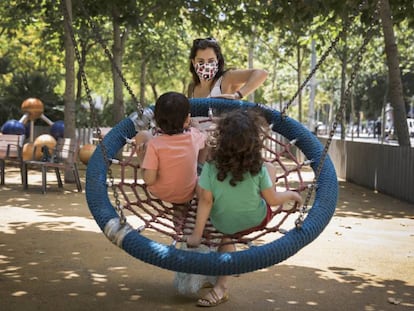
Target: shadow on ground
(54, 257)
(360, 202)
(45, 267)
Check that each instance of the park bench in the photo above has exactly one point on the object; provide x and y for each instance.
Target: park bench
(62, 157)
(11, 151)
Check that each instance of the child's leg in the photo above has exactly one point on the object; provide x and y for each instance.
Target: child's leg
(221, 283)
(218, 293)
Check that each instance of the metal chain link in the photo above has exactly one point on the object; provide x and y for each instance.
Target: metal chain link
(323, 57)
(108, 53)
(338, 117)
(93, 113)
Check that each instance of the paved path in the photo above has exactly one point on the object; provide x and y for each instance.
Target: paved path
(53, 257)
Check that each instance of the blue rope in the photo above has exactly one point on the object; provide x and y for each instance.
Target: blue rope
(213, 263)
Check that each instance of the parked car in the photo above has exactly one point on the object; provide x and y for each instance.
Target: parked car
(321, 129)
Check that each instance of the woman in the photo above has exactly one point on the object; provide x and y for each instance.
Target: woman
(210, 79)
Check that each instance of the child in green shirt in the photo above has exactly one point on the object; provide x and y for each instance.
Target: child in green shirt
(235, 189)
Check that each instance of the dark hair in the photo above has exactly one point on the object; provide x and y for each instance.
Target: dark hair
(238, 148)
(171, 111)
(202, 44)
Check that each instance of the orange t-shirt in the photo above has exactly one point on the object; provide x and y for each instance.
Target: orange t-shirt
(175, 159)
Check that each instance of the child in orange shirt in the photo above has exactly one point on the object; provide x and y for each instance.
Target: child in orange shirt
(169, 167)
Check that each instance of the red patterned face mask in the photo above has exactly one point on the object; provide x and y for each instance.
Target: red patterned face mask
(206, 71)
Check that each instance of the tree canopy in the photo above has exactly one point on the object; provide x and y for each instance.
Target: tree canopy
(150, 42)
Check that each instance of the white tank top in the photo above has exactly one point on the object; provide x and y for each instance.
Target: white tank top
(216, 90)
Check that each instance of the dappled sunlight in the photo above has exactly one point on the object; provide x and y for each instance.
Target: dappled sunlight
(98, 278)
(348, 275)
(4, 259)
(53, 254)
(88, 268)
(18, 199)
(17, 218)
(69, 275)
(19, 293)
(365, 203)
(330, 289)
(64, 272)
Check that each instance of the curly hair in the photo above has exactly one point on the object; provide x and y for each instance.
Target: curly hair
(238, 144)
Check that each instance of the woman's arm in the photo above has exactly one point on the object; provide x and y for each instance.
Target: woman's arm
(245, 81)
(205, 203)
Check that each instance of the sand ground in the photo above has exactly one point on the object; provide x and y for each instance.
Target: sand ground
(54, 257)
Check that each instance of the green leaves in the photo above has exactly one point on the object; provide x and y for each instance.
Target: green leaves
(158, 34)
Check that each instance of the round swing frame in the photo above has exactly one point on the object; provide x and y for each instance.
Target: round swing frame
(257, 257)
(213, 263)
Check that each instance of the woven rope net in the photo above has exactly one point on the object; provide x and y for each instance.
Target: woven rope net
(149, 214)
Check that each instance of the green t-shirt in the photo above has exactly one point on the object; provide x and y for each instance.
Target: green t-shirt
(236, 208)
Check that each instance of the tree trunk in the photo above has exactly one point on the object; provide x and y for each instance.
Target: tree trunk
(69, 96)
(142, 81)
(273, 83)
(299, 81)
(117, 51)
(312, 83)
(251, 58)
(154, 90)
(344, 64)
(83, 53)
(394, 74)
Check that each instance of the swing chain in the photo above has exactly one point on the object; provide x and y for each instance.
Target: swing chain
(338, 117)
(82, 72)
(305, 82)
(118, 208)
(108, 53)
(93, 113)
(323, 57)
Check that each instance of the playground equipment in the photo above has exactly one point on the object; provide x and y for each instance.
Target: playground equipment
(33, 109)
(13, 127)
(85, 152)
(309, 224)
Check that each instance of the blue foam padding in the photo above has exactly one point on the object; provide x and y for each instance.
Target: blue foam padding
(256, 257)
